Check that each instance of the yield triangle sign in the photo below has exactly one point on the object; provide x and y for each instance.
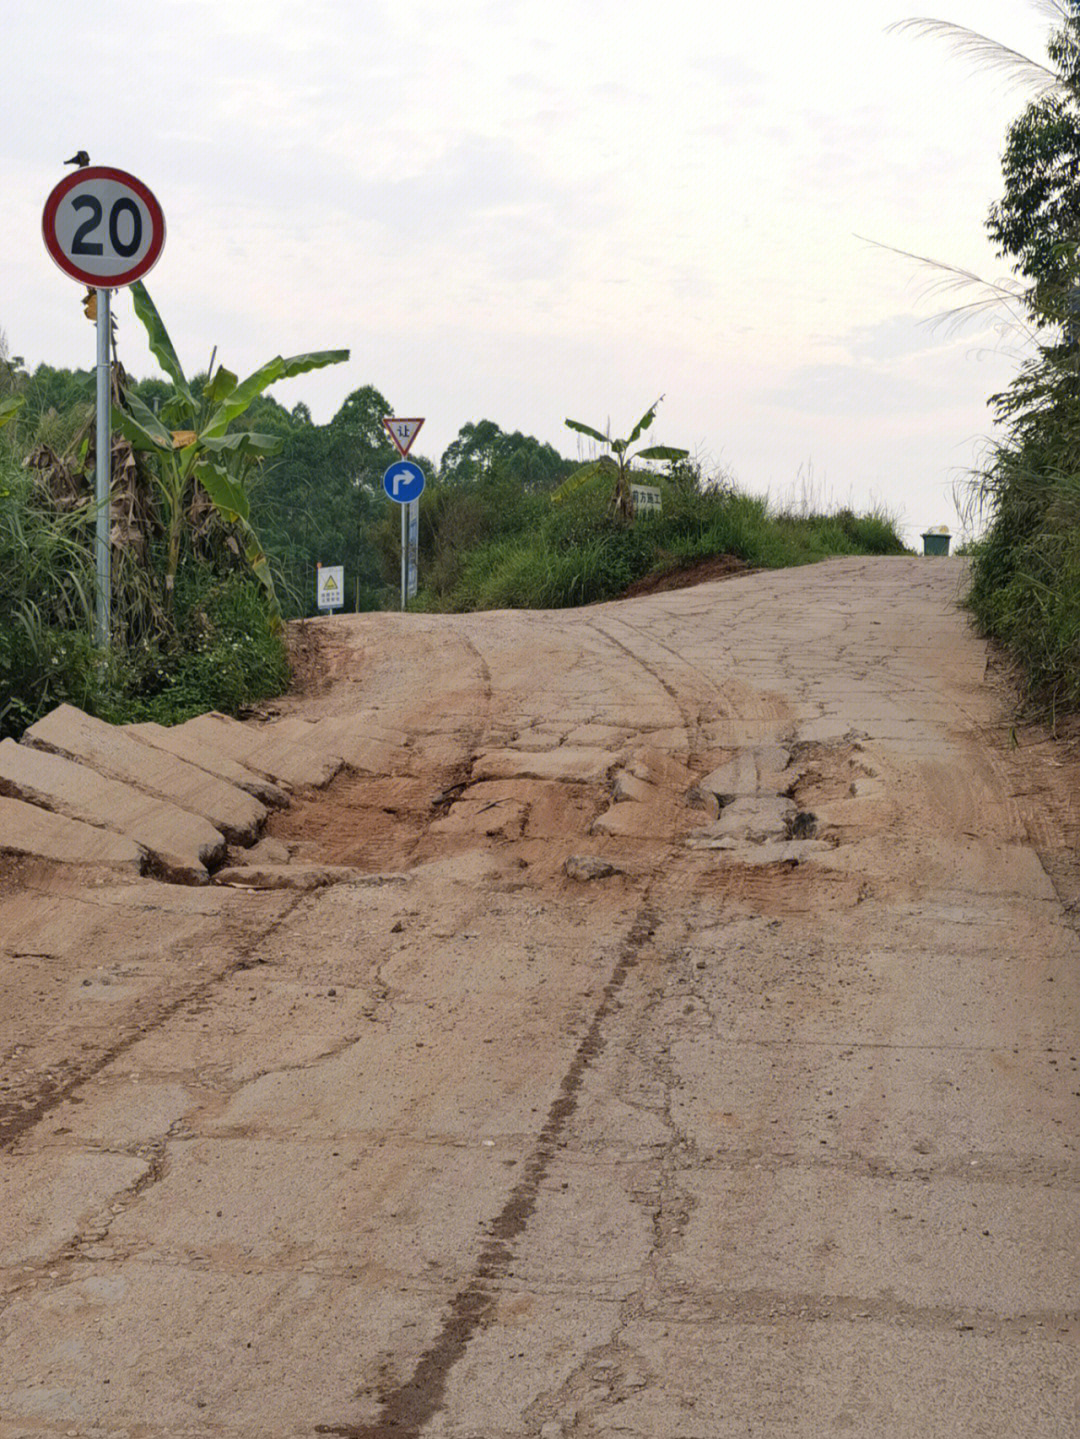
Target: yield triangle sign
(402, 432)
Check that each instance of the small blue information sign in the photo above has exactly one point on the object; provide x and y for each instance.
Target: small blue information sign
(404, 481)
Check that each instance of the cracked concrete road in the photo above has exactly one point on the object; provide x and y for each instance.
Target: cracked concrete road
(687, 1048)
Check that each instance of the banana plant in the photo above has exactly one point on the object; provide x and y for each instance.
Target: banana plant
(190, 442)
(618, 463)
(8, 407)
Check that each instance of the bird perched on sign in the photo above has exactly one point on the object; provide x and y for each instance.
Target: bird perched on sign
(80, 158)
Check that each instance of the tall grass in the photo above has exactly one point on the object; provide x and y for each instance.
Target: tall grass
(46, 602)
(217, 652)
(1025, 589)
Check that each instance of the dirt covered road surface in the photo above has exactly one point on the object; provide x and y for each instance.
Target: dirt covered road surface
(666, 1023)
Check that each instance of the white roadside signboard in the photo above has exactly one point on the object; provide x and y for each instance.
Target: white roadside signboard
(330, 587)
(646, 499)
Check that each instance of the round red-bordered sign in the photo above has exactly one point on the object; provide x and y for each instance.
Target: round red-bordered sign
(103, 227)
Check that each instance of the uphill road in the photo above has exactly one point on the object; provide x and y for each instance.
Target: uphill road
(655, 1019)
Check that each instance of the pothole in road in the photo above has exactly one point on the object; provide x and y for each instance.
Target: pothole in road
(393, 823)
(367, 823)
(826, 772)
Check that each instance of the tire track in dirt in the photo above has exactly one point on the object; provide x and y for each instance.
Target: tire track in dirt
(472, 738)
(691, 721)
(408, 1408)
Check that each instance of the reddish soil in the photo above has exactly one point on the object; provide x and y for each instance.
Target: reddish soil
(716, 567)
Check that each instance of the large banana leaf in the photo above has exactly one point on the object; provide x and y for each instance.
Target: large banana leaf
(230, 499)
(581, 478)
(587, 430)
(241, 442)
(645, 421)
(661, 452)
(161, 347)
(228, 495)
(276, 369)
(140, 426)
(8, 406)
(223, 384)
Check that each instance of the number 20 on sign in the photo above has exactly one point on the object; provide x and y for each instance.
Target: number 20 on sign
(106, 229)
(103, 227)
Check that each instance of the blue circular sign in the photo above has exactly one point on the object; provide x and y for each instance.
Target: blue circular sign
(404, 481)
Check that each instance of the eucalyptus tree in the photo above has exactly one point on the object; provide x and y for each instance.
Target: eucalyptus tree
(483, 450)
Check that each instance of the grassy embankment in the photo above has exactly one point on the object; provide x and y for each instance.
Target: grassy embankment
(492, 547)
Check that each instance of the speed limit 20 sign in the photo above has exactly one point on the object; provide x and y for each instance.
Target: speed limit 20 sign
(103, 227)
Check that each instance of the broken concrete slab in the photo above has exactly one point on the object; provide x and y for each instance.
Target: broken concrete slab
(113, 752)
(755, 770)
(290, 727)
(627, 786)
(755, 818)
(178, 843)
(32, 833)
(471, 816)
(568, 763)
(268, 851)
(182, 743)
(736, 778)
(772, 758)
(633, 820)
(371, 753)
(656, 766)
(291, 761)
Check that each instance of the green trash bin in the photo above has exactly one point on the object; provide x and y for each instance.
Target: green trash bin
(936, 542)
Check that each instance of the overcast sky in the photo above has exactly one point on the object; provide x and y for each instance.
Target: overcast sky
(531, 209)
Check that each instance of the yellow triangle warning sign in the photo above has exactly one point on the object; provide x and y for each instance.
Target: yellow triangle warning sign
(329, 587)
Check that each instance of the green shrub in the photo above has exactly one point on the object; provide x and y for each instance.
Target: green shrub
(1025, 589)
(46, 603)
(225, 654)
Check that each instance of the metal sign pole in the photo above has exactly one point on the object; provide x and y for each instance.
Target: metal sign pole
(404, 482)
(102, 487)
(104, 228)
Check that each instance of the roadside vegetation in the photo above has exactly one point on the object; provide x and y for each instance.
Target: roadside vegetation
(224, 502)
(195, 619)
(1025, 590)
